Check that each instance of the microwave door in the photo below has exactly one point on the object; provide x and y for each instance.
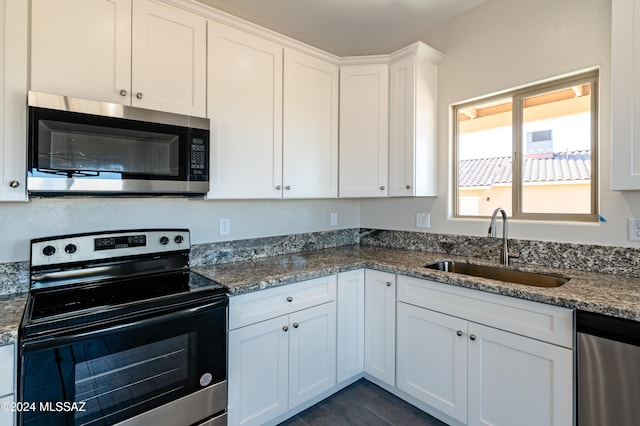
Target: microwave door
(83, 153)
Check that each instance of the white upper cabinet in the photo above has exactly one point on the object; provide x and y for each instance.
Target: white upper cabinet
(70, 57)
(625, 95)
(364, 130)
(245, 109)
(412, 121)
(148, 54)
(274, 119)
(13, 107)
(169, 56)
(310, 127)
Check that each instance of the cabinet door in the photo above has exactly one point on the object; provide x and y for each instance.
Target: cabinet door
(258, 372)
(412, 123)
(7, 369)
(625, 95)
(364, 134)
(402, 75)
(13, 107)
(432, 359)
(245, 109)
(312, 352)
(310, 132)
(168, 59)
(82, 48)
(517, 380)
(350, 330)
(380, 325)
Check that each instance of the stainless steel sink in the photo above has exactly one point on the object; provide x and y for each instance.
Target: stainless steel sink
(500, 274)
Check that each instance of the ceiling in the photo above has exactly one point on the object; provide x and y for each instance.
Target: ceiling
(348, 27)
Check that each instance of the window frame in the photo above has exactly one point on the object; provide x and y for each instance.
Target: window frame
(517, 97)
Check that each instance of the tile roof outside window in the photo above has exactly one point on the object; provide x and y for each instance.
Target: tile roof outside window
(561, 167)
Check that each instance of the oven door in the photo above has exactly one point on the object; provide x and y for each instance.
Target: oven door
(130, 372)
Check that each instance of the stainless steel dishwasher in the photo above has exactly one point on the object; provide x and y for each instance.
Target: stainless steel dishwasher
(608, 370)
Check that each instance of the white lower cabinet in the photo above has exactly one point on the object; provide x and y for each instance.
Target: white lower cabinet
(286, 358)
(517, 380)
(312, 352)
(379, 325)
(432, 359)
(475, 373)
(7, 383)
(350, 333)
(465, 356)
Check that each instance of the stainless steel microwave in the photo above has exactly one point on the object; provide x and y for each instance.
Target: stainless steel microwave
(83, 147)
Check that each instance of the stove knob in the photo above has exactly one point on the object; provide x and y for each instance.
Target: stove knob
(70, 248)
(49, 250)
(178, 239)
(164, 241)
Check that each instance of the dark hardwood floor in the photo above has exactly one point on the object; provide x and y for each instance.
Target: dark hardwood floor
(362, 403)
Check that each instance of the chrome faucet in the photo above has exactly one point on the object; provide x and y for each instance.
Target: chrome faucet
(504, 252)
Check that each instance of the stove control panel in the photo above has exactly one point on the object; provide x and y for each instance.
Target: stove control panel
(105, 245)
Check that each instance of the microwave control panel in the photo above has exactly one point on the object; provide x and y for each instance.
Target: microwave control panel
(198, 159)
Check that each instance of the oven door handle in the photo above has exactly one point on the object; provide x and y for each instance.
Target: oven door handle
(62, 340)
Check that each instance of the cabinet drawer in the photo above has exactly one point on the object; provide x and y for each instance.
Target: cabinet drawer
(261, 305)
(6, 369)
(540, 321)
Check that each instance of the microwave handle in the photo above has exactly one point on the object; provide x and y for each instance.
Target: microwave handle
(56, 341)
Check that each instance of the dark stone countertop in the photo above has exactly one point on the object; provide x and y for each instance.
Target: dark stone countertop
(11, 310)
(613, 295)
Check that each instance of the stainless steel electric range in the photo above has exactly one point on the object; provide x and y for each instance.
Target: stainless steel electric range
(118, 330)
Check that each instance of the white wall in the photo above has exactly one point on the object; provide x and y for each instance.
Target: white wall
(500, 45)
(20, 222)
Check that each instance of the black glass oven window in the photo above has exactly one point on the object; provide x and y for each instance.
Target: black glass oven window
(130, 377)
(122, 371)
(83, 148)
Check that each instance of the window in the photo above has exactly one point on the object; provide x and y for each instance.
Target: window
(531, 151)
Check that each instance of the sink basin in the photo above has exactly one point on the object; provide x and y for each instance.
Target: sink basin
(500, 274)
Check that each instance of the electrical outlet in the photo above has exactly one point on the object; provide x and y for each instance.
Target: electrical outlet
(634, 229)
(225, 226)
(334, 219)
(423, 220)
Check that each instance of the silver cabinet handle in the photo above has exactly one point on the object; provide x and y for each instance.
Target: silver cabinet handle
(285, 328)
(388, 283)
(123, 92)
(288, 188)
(14, 183)
(408, 186)
(459, 333)
(139, 95)
(472, 337)
(279, 187)
(382, 188)
(296, 325)
(289, 299)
